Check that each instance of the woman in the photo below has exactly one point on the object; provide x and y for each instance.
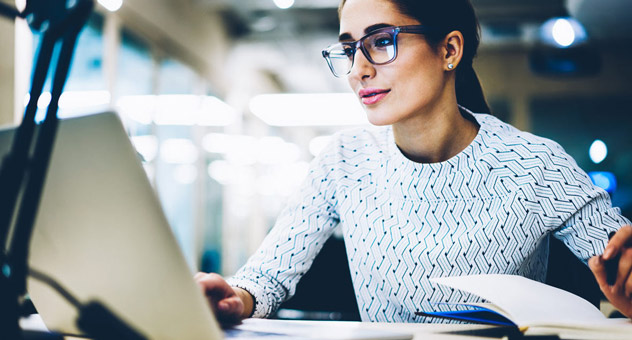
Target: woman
(433, 189)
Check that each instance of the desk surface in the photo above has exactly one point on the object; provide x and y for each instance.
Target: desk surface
(425, 331)
(420, 331)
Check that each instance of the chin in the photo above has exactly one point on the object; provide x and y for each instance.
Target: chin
(379, 119)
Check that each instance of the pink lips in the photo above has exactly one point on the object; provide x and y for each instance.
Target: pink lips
(371, 95)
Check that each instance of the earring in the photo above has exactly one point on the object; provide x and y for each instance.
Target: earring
(450, 66)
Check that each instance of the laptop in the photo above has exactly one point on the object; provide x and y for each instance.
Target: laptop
(102, 236)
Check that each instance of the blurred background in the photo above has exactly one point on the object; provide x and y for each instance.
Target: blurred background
(227, 101)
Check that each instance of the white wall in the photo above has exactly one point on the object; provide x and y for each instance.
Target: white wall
(7, 74)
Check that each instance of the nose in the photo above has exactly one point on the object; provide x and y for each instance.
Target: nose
(362, 67)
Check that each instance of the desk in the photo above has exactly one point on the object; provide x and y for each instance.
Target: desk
(419, 331)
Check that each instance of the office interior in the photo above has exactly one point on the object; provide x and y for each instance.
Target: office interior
(227, 102)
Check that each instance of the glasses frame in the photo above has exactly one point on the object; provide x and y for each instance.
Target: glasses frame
(359, 44)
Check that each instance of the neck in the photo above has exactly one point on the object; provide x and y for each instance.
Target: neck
(435, 136)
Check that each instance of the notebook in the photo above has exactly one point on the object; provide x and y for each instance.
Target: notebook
(534, 307)
(102, 236)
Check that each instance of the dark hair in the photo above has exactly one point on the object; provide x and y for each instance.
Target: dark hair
(445, 16)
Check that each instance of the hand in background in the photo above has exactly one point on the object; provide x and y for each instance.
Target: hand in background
(619, 294)
(230, 305)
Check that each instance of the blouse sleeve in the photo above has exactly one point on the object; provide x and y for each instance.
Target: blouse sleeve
(287, 252)
(584, 210)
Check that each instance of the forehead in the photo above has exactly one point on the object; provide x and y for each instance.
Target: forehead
(356, 15)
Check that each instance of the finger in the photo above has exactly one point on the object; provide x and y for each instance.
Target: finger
(232, 305)
(624, 270)
(228, 319)
(628, 287)
(622, 237)
(199, 275)
(211, 281)
(596, 265)
(206, 281)
(229, 311)
(216, 288)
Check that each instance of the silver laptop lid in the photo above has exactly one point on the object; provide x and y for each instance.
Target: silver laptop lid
(101, 233)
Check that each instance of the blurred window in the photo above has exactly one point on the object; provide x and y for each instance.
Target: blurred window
(176, 78)
(135, 67)
(177, 170)
(86, 73)
(86, 81)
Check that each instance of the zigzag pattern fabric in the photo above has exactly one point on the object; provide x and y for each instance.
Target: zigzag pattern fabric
(489, 209)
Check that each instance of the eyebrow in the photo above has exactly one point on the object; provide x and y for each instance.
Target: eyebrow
(369, 29)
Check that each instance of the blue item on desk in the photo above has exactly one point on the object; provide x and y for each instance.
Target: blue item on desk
(474, 314)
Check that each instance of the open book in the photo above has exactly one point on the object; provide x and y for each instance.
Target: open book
(534, 307)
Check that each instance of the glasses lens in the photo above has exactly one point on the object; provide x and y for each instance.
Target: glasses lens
(380, 46)
(340, 58)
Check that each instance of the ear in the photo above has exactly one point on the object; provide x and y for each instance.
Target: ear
(452, 49)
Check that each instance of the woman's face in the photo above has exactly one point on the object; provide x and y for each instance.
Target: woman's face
(414, 83)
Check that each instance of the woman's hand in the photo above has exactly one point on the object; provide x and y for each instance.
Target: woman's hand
(620, 293)
(229, 304)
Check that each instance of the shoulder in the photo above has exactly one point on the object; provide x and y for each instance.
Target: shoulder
(504, 146)
(497, 135)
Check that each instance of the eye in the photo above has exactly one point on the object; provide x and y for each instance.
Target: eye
(348, 50)
(383, 41)
(380, 41)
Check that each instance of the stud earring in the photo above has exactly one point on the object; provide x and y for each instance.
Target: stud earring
(450, 66)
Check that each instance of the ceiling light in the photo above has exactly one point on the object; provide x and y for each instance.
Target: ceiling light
(562, 32)
(111, 5)
(178, 110)
(284, 4)
(44, 100)
(598, 151)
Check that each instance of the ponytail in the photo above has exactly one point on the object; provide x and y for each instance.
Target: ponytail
(469, 92)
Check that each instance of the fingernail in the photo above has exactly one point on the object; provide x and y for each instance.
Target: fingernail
(607, 253)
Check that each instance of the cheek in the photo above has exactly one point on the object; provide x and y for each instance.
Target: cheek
(416, 63)
(351, 83)
(418, 81)
(417, 88)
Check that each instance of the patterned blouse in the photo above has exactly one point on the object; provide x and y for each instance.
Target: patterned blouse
(489, 209)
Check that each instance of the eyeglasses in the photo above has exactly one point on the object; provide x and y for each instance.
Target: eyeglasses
(379, 47)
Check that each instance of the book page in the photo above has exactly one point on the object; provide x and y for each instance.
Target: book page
(528, 302)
